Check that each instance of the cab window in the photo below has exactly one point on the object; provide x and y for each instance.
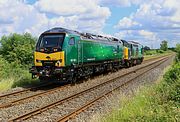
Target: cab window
(72, 41)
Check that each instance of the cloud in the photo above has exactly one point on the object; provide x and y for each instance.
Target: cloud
(67, 7)
(19, 16)
(153, 20)
(121, 3)
(85, 15)
(126, 23)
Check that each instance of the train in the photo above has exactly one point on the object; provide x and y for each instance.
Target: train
(66, 55)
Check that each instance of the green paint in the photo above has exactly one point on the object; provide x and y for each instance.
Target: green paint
(85, 50)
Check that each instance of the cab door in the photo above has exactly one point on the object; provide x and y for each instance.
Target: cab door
(72, 52)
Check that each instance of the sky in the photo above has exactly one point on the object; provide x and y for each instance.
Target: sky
(146, 21)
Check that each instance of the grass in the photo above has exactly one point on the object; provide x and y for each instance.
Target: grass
(12, 75)
(13, 82)
(155, 54)
(159, 102)
(6, 84)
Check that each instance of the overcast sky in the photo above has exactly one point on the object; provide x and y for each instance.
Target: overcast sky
(146, 21)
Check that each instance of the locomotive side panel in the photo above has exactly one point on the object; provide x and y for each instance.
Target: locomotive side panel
(99, 51)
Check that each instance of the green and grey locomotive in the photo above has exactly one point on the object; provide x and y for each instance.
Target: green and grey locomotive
(67, 55)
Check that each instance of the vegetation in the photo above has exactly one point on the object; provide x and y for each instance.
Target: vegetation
(159, 103)
(18, 48)
(155, 52)
(16, 56)
(163, 49)
(164, 45)
(178, 52)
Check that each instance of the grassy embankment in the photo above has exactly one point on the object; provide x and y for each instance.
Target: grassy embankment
(16, 56)
(155, 53)
(13, 75)
(159, 102)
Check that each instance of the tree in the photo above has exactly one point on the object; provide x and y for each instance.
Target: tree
(178, 51)
(146, 48)
(164, 45)
(18, 48)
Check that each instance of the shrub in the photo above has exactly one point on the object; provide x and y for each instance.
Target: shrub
(18, 48)
(178, 52)
(160, 51)
(16, 56)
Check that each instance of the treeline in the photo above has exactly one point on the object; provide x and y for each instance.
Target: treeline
(16, 56)
(18, 48)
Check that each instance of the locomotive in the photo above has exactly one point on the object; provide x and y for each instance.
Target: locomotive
(66, 55)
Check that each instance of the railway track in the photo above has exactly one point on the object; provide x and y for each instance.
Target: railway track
(18, 97)
(106, 88)
(24, 90)
(154, 58)
(21, 100)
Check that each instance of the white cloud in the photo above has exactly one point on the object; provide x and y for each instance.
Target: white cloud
(121, 3)
(85, 15)
(124, 3)
(154, 20)
(126, 23)
(19, 16)
(147, 34)
(69, 7)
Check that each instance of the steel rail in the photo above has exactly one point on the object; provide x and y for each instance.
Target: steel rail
(18, 101)
(43, 85)
(91, 103)
(24, 90)
(15, 102)
(44, 108)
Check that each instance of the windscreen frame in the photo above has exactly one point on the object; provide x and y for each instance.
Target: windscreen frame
(44, 34)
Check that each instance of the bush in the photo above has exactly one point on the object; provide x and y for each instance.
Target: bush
(172, 84)
(160, 51)
(10, 69)
(16, 56)
(178, 52)
(18, 48)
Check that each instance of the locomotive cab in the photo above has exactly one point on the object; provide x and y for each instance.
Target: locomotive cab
(50, 57)
(49, 50)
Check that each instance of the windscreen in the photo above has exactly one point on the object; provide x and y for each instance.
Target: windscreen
(47, 42)
(51, 41)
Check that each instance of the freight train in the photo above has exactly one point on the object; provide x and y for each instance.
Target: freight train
(67, 55)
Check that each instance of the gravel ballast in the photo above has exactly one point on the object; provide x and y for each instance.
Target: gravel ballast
(112, 102)
(40, 101)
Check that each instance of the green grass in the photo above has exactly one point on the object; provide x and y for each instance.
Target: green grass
(6, 84)
(13, 81)
(156, 103)
(153, 54)
(14, 75)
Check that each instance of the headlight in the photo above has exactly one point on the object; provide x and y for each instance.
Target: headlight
(38, 61)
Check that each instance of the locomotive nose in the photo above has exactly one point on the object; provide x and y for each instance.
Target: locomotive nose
(57, 58)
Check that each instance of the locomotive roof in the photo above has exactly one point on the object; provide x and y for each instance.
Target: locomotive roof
(134, 43)
(62, 30)
(85, 35)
